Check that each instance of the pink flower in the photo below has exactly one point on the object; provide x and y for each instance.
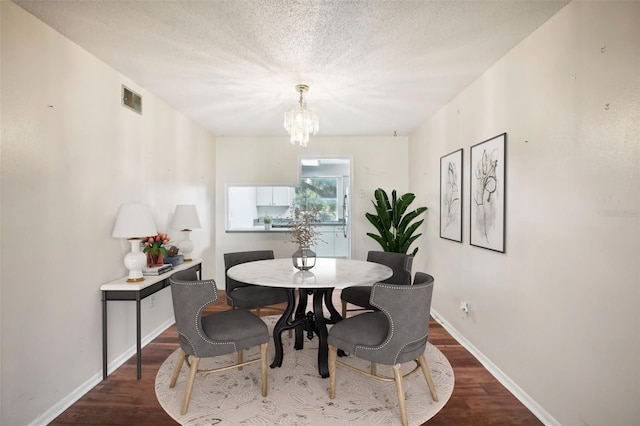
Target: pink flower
(154, 243)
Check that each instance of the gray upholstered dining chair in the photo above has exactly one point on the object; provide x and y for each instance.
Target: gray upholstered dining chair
(249, 296)
(394, 335)
(211, 335)
(400, 263)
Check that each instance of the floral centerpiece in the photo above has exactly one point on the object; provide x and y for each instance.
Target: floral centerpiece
(153, 247)
(303, 232)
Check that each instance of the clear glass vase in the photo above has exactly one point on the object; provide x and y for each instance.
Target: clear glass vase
(304, 258)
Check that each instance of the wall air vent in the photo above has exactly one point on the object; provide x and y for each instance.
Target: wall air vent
(131, 99)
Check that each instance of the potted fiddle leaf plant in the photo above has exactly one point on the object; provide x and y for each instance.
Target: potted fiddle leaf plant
(393, 222)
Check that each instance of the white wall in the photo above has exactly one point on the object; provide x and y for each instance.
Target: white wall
(376, 162)
(559, 312)
(70, 155)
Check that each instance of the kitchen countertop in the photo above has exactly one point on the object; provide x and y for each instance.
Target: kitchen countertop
(257, 229)
(279, 227)
(327, 223)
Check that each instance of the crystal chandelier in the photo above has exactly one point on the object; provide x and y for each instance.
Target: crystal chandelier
(300, 122)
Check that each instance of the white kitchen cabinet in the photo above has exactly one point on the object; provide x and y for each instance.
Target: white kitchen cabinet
(282, 196)
(341, 242)
(273, 196)
(334, 243)
(326, 247)
(264, 196)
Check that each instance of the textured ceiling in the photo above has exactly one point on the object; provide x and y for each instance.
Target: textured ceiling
(373, 67)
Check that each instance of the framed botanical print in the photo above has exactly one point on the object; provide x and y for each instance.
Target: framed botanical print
(487, 193)
(451, 196)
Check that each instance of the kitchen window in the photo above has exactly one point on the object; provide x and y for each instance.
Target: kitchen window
(322, 193)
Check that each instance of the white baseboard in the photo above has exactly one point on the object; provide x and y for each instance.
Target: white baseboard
(53, 412)
(511, 386)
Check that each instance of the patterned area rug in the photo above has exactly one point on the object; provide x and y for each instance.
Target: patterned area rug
(297, 394)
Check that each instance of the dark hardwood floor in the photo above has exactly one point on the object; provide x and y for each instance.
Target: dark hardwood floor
(477, 399)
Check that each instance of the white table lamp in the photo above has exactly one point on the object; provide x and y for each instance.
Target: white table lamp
(185, 219)
(134, 222)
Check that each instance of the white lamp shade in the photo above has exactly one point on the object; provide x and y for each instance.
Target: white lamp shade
(134, 221)
(185, 217)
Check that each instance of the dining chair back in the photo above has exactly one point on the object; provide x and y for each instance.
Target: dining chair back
(400, 264)
(395, 334)
(215, 334)
(249, 296)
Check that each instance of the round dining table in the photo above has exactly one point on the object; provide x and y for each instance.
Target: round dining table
(320, 281)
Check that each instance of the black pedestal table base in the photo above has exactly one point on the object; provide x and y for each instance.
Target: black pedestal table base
(313, 323)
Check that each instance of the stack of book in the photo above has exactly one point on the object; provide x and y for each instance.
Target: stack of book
(157, 270)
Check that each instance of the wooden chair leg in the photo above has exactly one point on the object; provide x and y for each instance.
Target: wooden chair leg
(240, 358)
(176, 371)
(374, 369)
(187, 391)
(344, 310)
(397, 374)
(427, 375)
(258, 311)
(263, 367)
(333, 354)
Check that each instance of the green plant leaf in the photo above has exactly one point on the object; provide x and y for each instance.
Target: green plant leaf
(406, 244)
(379, 239)
(376, 222)
(383, 208)
(394, 225)
(410, 217)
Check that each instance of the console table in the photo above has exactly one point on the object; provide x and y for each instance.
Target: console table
(120, 289)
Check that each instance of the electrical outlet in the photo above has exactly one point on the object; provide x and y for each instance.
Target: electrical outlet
(464, 307)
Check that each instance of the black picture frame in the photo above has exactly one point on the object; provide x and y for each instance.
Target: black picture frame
(487, 193)
(451, 171)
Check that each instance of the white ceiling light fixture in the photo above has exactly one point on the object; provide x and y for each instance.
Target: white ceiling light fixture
(300, 122)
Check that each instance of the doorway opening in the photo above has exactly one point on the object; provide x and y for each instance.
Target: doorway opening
(326, 181)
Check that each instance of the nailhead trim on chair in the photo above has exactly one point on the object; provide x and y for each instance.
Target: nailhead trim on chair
(204, 338)
(395, 359)
(193, 349)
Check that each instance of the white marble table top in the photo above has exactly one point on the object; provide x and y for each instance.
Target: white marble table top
(327, 273)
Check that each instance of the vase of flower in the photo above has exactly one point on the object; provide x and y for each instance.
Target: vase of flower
(304, 258)
(153, 247)
(154, 259)
(303, 233)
